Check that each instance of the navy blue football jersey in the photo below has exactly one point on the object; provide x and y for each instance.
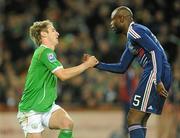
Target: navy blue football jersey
(143, 46)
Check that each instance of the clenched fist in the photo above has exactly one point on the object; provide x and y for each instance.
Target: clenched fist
(90, 61)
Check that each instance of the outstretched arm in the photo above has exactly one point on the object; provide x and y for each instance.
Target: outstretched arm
(120, 67)
(68, 73)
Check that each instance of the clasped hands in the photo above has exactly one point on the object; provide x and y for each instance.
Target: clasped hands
(89, 61)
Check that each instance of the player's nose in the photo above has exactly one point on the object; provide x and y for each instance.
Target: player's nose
(58, 34)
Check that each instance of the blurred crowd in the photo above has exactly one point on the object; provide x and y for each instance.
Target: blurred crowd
(84, 28)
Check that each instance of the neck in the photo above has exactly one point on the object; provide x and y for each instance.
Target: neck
(125, 30)
(127, 27)
(48, 45)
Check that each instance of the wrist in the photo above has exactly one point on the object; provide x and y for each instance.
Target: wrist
(85, 65)
(96, 66)
(158, 82)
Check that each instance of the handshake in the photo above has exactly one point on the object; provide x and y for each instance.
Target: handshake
(89, 61)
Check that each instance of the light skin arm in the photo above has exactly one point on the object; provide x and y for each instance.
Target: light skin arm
(65, 74)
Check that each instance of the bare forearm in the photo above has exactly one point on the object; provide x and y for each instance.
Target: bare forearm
(68, 73)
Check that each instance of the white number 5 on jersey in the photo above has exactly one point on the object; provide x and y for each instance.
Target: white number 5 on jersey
(136, 101)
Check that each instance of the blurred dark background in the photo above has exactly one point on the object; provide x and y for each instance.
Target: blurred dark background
(84, 28)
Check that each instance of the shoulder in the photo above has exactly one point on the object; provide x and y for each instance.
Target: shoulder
(139, 27)
(136, 31)
(43, 52)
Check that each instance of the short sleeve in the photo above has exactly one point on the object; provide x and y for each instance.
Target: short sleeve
(48, 58)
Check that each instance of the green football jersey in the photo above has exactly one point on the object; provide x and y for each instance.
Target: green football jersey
(40, 90)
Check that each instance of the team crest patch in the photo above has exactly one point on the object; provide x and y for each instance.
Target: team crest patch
(51, 57)
(34, 126)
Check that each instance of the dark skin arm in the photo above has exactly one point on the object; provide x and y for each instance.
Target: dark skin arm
(161, 89)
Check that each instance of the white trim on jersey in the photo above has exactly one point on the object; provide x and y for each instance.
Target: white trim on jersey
(133, 33)
(44, 46)
(142, 58)
(129, 28)
(154, 64)
(59, 67)
(134, 127)
(145, 59)
(147, 91)
(152, 78)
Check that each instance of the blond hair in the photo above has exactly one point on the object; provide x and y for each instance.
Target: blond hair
(36, 29)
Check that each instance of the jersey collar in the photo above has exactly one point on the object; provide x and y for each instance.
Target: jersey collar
(130, 26)
(44, 46)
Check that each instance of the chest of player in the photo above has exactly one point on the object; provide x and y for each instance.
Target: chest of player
(135, 49)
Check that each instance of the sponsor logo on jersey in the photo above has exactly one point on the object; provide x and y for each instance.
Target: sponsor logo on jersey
(51, 57)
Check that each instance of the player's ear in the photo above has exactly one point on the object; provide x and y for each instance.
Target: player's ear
(43, 33)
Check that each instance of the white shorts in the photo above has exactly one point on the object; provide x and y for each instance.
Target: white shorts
(35, 122)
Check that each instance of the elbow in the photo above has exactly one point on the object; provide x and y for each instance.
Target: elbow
(62, 79)
(119, 71)
(122, 70)
(61, 75)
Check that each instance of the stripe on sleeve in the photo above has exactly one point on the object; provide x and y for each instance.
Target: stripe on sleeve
(59, 67)
(133, 33)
